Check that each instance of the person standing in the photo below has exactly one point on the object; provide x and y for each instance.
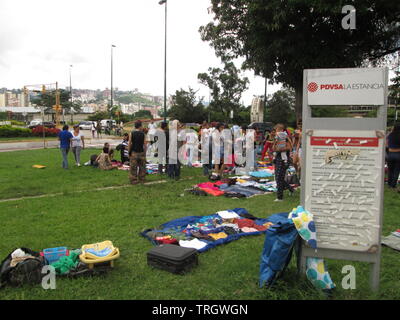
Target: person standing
(93, 129)
(219, 154)
(77, 144)
(65, 137)
(163, 149)
(137, 154)
(393, 156)
(281, 162)
(98, 129)
(174, 146)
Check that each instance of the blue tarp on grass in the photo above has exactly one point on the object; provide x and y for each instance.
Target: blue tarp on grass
(180, 224)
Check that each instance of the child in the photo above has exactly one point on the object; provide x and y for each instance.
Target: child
(281, 138)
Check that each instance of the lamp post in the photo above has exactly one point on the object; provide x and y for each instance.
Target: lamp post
(70, 91)
(165, 60)
(112, 90)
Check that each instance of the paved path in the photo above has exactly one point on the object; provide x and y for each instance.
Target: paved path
(32, 145)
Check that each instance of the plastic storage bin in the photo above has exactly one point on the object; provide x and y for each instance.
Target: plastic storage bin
(54, 254)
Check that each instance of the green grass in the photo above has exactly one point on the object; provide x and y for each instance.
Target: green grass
(82, 215)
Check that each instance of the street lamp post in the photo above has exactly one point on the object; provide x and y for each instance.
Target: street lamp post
(70, 92)
(112, 71)
(165, 60)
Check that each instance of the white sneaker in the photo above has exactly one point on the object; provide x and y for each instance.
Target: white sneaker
(78, 164)
(278, 200)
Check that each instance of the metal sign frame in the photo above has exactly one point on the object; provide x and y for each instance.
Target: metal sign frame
(363, 124)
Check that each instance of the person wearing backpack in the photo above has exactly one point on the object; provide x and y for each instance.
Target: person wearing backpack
(137, 154)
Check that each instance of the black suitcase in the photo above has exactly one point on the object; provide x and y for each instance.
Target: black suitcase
(172, 258)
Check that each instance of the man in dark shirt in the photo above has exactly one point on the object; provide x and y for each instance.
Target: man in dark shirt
(137, 154)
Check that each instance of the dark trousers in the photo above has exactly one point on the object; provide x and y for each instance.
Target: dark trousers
(174, 170)
(393, 163)
(280, 172)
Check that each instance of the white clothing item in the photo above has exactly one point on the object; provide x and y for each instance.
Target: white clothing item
(195, 244)
(228, 214)
(191, 138)
(18, 254)
(284, 156)
(76, 140)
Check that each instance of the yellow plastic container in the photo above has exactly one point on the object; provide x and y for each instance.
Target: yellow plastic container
(109, 253)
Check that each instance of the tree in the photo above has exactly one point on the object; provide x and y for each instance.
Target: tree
(280, 107)
(394, 97)
(48, 100)
(280, 38)
(226, 87)
(143, 114)
(99, 115)
(185, 108)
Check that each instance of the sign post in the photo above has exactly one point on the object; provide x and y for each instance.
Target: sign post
(343, 166)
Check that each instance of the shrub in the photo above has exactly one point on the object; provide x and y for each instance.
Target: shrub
(12, 132)
(49, 132)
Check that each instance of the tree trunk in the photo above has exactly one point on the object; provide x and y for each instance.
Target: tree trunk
(299, 102)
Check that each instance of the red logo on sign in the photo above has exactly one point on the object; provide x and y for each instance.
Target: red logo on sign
(312, 87)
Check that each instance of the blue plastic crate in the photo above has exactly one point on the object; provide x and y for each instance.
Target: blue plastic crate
(54, 254)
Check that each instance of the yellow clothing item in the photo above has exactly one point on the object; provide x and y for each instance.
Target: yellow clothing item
(216, 236)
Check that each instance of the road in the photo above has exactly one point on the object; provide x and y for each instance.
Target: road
(32, 145)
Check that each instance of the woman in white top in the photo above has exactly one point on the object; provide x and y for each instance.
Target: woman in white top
(77, 144)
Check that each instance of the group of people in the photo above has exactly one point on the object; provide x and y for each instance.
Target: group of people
(71, 140)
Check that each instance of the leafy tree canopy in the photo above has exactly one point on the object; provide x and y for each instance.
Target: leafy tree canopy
(226, 86)
(280, 38)
(185, 108)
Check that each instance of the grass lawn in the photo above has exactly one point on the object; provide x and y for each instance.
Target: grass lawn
(81, 215)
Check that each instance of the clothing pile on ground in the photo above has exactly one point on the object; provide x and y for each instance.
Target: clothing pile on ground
(25, 266)
(206, 232)
(392, 240)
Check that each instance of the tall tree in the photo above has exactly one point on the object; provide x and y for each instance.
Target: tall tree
(280, 38)
(185, 107)
(280, 107)
(48, 100)
(226, 87)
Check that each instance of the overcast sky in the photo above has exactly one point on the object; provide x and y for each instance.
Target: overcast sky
(40, 39)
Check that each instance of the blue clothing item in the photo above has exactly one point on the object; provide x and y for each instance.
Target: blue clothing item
(393, 162)
(247, 191)
(393, 142)
(64, 152)
(261, 174)
(278, 247)
(65, 136)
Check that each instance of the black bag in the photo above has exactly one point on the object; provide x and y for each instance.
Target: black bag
(28, 271)
(172, 258)
(292, 179)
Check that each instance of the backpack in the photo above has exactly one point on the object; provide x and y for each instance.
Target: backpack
(278, 247)
(28, 271)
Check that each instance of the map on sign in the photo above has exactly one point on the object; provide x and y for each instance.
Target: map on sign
(343, 175)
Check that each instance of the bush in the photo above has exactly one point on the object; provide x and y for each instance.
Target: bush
(12, 132)
(49, 132)
(17, 123)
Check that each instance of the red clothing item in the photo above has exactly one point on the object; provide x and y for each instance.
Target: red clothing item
(248, 223)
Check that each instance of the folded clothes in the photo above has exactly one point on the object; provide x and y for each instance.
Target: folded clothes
(220, 235)
(228, 214)
(195, 244)
(247, 230)
(250, 224)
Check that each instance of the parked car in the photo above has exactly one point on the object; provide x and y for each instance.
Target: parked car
(37, 123)
(262, 126)
(107, 123)
(86, 125)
